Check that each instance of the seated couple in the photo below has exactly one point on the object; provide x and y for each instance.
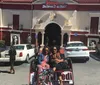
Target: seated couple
(53, 60)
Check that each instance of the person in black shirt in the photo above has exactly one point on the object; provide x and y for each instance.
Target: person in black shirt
(12, 53)
(57, 62)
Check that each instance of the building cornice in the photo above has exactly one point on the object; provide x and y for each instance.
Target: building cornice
(16, 6)
(64, 7)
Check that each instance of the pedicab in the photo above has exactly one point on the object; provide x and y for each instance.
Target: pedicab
(49, 77)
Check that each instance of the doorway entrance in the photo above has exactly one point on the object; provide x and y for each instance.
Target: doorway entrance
(52, 35)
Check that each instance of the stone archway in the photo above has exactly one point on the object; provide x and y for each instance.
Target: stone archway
(52, 35)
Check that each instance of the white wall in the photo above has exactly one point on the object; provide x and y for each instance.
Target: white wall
(78, 19)
(84, 19)
(44, 15)
(25, 17)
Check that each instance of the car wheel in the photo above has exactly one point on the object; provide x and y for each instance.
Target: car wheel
(27, 59)
(0, 55)
(86, 59)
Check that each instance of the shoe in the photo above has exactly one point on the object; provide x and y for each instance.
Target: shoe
(13, 71)
(10, 71)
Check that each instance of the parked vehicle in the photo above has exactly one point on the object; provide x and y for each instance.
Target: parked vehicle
(24, 53)
(2, 48)
(48, 79)
(97, 50)
(77, 50)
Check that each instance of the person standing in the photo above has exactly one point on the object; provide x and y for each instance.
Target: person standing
(12, 53)
(29, 39)
(98, 48)
(47, 41)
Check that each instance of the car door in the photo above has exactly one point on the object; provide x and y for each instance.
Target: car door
(30, 50)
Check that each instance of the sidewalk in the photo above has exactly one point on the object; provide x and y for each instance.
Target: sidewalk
(95, 56)
(21, 76)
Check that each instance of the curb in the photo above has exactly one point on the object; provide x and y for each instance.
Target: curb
(94, 57)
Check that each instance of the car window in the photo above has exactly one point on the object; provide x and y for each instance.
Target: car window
(29, 47)
(2, 48)
(19, 47)
(75, 44)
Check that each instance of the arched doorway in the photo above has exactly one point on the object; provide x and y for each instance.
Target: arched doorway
(52, 34)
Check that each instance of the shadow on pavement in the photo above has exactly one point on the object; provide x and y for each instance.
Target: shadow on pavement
(78, 61)
(95, 56)
(4, 71)
(2, 64)
(19, 63)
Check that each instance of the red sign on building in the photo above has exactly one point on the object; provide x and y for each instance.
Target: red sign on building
(53, 2)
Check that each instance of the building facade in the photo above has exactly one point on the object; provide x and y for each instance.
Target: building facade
(49, 21)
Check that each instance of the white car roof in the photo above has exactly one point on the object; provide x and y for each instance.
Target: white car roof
(20, 44)
(75, 42)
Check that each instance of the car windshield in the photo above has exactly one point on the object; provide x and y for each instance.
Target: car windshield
(19, 47)
(75, 44)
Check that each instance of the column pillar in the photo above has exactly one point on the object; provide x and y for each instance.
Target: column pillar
(1, 33)
(62, 34)
(42, 45)
(36, 37)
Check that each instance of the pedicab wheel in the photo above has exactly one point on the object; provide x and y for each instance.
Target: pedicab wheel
(65, 83)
